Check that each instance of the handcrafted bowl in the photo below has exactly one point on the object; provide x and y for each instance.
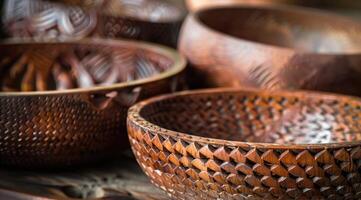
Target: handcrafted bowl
(247, 144)
(155, 21)
(149, 20)
(66, 103)
(273, 48)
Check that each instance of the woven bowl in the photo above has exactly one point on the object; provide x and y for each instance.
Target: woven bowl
(247, 144)
(64, 104)
(275, 48)
(148, 20)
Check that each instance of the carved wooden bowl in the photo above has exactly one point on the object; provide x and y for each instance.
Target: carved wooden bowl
(155, 21)
(273, 48)
(247, 144)
(149, 20)
(64, 104)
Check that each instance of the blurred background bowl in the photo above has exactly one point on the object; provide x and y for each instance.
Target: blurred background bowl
(249, 144)
(157, 21)
(347, 7)
(65, 103)
(43, 20)
(273, 48)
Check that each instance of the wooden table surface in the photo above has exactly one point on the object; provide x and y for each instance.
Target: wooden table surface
(121, 179)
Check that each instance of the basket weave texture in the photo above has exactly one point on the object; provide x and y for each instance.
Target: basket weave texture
(84, 120)
(299, 145)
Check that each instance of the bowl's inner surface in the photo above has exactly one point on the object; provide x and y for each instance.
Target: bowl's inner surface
(148, 10)
(41, 19)
(41, 67)
(305, 32)
(251, 118)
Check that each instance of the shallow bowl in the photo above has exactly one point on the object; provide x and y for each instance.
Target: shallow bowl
(249, 144)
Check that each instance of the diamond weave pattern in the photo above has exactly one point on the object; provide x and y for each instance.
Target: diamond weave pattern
(303, 164)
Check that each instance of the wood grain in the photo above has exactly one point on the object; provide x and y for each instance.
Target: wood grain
(278, 48)
(120, 179)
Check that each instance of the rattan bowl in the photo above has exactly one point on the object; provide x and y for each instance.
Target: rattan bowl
(275, 48)
(64, 104)
(249, 144)
(154, 21)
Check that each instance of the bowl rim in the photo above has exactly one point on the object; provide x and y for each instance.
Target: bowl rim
(135, 117)
(179, 64)
(291, 9)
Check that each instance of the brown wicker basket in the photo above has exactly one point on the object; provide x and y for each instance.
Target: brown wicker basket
(84, 119)
(247, 144)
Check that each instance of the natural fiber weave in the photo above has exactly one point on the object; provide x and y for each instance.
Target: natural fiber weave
(249, 144)
(56, 128)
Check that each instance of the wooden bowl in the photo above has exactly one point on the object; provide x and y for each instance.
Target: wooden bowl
(64, 104)
(157, 21)
(148, 20)
(273, 48)
(41, 20)
(247, 144)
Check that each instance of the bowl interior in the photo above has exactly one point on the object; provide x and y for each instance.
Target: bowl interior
(147, 10)
(252, 117)
(51, 66)
(305, 31)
